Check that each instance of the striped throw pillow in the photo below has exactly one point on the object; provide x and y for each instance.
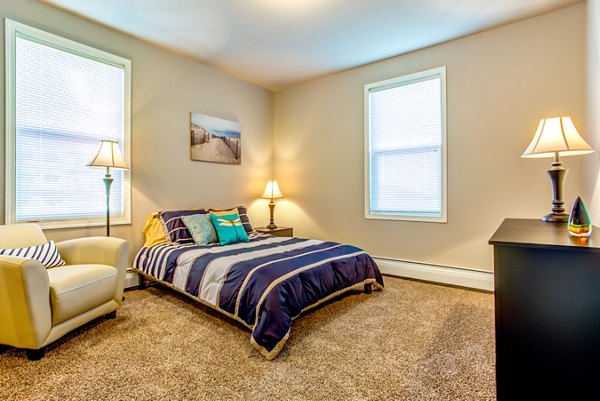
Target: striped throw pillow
(47, 254)
(174, 227)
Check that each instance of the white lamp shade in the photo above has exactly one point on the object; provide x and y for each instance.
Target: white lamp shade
(272, 190)
(109, 155)
(557, 135)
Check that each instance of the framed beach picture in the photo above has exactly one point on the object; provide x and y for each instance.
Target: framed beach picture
(214, 139)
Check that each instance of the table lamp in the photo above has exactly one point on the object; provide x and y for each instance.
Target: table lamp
(272, 192)
(557, 136)
(109, 155)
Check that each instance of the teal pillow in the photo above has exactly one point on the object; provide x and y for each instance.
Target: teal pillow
(201, 227)
(229, 228)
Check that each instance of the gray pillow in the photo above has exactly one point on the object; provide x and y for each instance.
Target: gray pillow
(202, 229)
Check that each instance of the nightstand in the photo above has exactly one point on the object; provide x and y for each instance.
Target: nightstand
(278, 232)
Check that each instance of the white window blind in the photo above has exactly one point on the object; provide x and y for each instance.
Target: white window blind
(405, 147)
(64, 98)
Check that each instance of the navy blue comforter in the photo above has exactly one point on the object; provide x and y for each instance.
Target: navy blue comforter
(264, 283)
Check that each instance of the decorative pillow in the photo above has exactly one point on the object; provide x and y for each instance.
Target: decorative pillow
(241, 210)
(229, 228)
(47, 254)
(201, 228)
(174, 228)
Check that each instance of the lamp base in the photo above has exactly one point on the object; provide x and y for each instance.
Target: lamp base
(556, 217)
(557, 175)
(272, 225)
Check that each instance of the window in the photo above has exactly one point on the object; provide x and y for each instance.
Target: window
(405, 147)
(62, 98)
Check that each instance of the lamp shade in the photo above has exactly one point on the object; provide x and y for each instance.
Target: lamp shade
(109, 155)
(557, 135)
(272, 190)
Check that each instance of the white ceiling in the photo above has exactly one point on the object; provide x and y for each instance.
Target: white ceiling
(276, 43)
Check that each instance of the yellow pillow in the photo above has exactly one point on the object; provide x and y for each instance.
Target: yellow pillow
(153, 230)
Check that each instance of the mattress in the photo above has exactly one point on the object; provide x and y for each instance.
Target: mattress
(264, 283)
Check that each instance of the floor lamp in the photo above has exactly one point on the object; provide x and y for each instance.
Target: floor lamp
(109, 155)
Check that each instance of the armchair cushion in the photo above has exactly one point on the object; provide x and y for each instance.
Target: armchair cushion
(46, 253)
(79, 288)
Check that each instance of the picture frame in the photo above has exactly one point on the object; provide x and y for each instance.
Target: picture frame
(214, 139)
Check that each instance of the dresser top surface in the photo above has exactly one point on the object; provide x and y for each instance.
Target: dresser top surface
(538, 233)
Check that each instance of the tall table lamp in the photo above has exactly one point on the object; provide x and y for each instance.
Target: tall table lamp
(109, 155)
(272, 192)
(557, 136)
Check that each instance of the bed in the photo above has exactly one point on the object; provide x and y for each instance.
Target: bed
(264, 283)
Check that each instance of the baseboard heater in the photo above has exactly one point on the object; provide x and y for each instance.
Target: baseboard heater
(470, 278)
(132, 279)
(463, 277)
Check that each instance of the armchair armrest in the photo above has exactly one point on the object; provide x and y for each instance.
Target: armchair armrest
(24, 308)
(98, 250)
(95, 250)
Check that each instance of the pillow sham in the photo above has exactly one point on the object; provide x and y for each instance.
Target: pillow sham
(241, 211)
(173, 226)
(201, 227)
(229, 228)
(47, 254)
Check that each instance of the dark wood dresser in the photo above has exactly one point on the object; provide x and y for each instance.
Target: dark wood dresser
(547, 301)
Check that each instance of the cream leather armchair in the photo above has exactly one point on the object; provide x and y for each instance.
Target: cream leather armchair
(40, 305)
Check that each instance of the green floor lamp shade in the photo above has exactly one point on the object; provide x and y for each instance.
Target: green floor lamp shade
(557, 136)
(109, 155)
(272, 192)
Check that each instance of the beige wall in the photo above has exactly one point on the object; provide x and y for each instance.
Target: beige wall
(166, 88)
(592, 199)
(499, 83)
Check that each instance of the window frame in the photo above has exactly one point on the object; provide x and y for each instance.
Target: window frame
(439, 72)
(14, 29)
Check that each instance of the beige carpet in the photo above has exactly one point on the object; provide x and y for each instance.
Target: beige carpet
(413, 341)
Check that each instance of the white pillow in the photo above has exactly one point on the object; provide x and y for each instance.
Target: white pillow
(47, 254)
